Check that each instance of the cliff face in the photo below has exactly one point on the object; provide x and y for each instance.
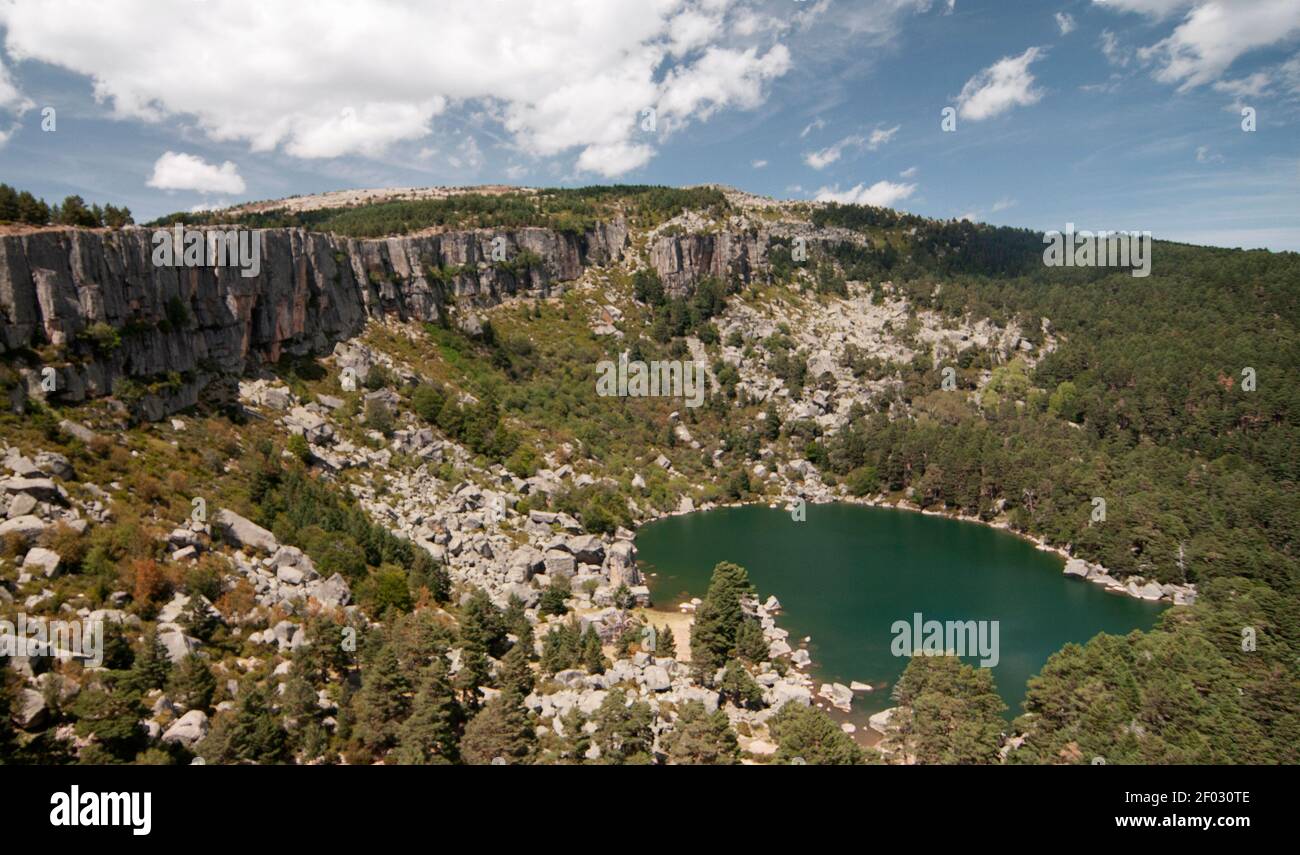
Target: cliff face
(683, 260)
(180, 330)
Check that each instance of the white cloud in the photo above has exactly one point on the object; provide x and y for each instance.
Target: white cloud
(12, 100)
(1111, 49)
(468, 156)
(1212, 35)
(907, 173)
(179, 171)
(758, 164)
(1205, 155)
(814, 125)
(1005, 84)
(1003, 203)
(882, 194)
(825, 157)
(1246, 87)
(1065, 23)
(561, 77)
(1154, 8)
(1289, 74)
(722, 77)
(614, 158)
(880, 136)
(1251, 86)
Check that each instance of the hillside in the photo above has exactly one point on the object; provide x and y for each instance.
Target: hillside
(294, 568)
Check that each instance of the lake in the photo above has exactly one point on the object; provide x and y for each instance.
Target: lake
(848, 572)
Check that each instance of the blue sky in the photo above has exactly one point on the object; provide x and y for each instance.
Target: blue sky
(1123, 114)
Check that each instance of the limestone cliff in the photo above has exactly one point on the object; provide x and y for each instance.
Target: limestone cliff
(180, 329)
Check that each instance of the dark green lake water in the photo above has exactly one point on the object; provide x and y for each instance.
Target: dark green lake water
(848, 572)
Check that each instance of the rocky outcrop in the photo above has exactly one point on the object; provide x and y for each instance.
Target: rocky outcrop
(682, 260)
(107, 320)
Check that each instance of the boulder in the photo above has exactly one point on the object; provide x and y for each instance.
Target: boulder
(525, 563)
(76, 431)
(655, 679)
(28, 710)
(189, 729)
(177, 643)
(245, 532)
(333, 592)
(21, 505)
(27, 526)
(43, 561)
(881, 720)
(54, 464)
(40, 489)
(559, 563)
(1077, 567)
(622, 564)
(784, 693)
(840, 695)
(587, 549)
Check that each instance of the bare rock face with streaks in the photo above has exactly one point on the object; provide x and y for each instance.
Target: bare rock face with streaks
(109, 321)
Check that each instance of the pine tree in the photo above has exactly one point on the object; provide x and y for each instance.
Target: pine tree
(719, 617)
(500, 732)
(192, 684)
(750, 643)
(383, 702)
(560, 649)
(553, 598)
(740, 688)
(112, 717)
(199, 620)
(8, 203)
(483, 624)
(665, 643)
(624, 732)
(809, 736)
(593, 658)
(948, 712)
(255, 735)
(698, 738)
(475, 671)
(429, 735)
(152, 664)
(576, 741)
(515, 674)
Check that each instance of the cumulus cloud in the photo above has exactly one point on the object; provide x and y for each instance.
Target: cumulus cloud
(882, 194)
(1213, 34)
(179, 171)
(1065, 23)
(12, 100)
(561, 77)
(1005, 84)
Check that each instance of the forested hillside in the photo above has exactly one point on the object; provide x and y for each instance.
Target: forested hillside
(461, 505)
